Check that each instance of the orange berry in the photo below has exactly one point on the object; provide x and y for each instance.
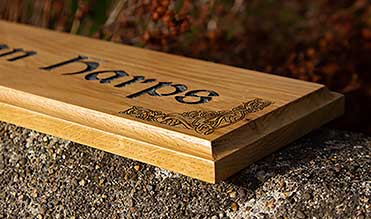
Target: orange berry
(160, 10)
(165, 3)
(155, 16)
(184, 27)
(146, 36)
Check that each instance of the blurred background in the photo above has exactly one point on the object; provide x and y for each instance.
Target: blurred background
(324, 41)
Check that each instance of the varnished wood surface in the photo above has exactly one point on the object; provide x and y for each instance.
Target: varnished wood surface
(180, 162)
(90, 112)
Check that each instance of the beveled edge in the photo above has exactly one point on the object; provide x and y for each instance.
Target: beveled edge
(189, 165)
(106, 122)
(329, 109)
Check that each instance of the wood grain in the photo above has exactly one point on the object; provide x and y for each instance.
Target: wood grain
(253, 114)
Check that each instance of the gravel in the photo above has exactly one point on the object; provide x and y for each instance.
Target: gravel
(326, 174)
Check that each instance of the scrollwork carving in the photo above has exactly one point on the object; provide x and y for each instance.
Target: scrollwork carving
(203, 122)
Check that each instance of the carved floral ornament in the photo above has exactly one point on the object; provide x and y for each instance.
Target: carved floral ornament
(202, 122)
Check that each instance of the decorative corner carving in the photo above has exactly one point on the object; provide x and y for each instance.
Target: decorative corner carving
(203, 122)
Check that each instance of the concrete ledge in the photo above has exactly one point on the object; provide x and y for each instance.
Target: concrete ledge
(326, 174)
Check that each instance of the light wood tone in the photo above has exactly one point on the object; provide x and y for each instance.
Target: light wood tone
(180, 162)
(305, 121)
(87, 111)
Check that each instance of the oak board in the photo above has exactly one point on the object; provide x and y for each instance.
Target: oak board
(198, 118)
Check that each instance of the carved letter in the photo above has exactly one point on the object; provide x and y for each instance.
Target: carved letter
(25, 53)
(90, 66)
(153, 90)
(193, 93)
(126, 83)
(94, 76)
(3, 46)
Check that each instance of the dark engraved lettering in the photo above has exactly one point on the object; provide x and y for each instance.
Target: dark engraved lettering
(153, 90)
(148, 81)
(3, 46)
(134, 80)
(193, 93)
(90, 66)
(191, 97)
(179, 88)
(94, 76)
(14, 51)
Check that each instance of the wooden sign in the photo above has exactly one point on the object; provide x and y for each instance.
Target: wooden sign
(201, 119)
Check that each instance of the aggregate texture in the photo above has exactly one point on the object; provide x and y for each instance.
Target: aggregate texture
(326, 174)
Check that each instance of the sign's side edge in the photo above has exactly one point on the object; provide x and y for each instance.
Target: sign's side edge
(106, 122)
(183, 163)
(318, 116)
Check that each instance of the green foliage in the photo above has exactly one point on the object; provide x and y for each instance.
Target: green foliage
(99, 14)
